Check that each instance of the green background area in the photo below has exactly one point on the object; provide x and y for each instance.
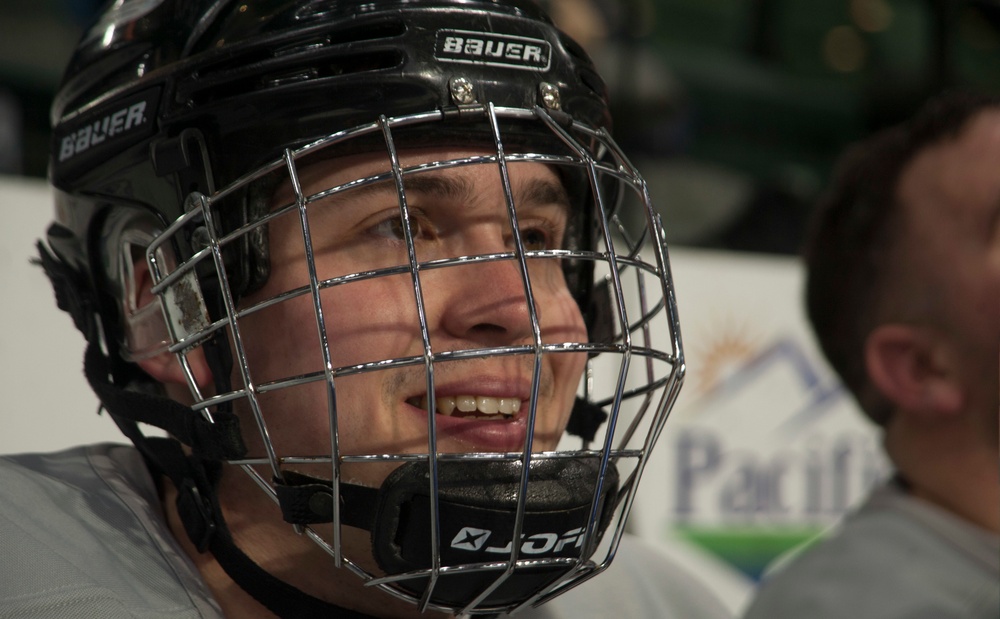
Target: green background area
(735, 110)
(749, 550)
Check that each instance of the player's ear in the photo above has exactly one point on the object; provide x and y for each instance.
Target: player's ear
(146, 330)
(912, 367)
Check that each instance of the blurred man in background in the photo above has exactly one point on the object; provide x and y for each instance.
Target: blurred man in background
(904, 295)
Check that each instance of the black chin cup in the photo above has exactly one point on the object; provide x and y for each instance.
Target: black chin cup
(477, 508)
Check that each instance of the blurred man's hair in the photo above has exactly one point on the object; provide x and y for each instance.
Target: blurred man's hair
(853, 231)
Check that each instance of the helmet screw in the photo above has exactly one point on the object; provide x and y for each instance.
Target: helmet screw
(550, 95)
(461, 91)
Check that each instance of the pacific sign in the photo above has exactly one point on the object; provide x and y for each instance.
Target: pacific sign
(768, 458)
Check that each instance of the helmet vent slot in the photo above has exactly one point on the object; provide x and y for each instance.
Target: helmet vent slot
(297, 52)
(308, 68)
(370, 32)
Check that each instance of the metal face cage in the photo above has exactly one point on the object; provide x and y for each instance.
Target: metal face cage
(443, 512)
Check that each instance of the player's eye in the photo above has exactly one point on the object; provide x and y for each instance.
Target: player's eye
(392, 228)
(535, 239)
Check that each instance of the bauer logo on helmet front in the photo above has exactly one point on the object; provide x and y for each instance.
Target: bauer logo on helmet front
(492, 49)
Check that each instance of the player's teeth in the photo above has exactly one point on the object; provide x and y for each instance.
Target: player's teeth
(445, 406)
(465, 403)
(509, 406)
(485, 405)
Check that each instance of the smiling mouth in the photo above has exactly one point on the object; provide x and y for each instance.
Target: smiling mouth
(472, 406)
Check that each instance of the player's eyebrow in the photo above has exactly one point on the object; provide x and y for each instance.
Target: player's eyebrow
(431, 184)
(532, 192)
(451, 187)
(542, 191)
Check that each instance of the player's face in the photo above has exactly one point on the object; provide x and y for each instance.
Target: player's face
(952, 231)
(483, 403)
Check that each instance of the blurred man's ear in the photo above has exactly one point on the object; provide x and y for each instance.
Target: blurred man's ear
(913, 368)
(164, 366)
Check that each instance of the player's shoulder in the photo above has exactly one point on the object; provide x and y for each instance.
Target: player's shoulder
(882, 561)
(83, 535)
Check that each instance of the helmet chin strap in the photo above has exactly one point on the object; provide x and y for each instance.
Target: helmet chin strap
(477, 509)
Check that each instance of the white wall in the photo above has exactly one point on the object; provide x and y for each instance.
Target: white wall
(46, 401)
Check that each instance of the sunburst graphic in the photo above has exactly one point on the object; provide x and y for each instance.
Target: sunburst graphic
(720, 355)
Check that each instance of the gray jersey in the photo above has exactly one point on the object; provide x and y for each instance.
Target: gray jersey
(895, 558)
(83, 536)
